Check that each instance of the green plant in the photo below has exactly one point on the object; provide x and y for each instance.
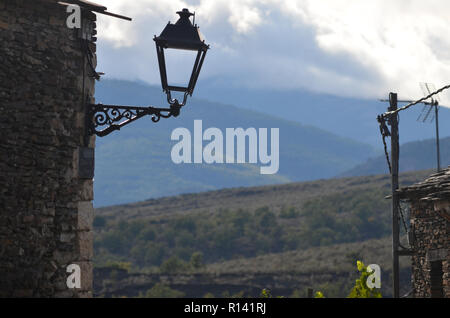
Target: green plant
(361, 289)
(119, 265)
(99, 221)
(173, 265)
(162, 291)
(289, 213)
(319, 295)
(196, 261)
(266, 293)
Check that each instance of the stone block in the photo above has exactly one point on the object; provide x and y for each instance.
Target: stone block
(85, 294)
(23, 293)
(65, 294)
(86, 192)
(28, 218)
(85, 215)
(86, 245)
(86, 163)
(62, 258)
(67, 237)
(56, 21)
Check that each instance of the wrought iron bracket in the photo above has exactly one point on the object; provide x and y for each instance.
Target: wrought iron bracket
(104, 119)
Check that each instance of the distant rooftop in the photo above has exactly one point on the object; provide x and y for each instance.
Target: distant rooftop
(435, 187)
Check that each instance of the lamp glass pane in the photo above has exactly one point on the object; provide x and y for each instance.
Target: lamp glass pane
(179, 64)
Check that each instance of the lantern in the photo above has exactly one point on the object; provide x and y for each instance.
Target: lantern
(183, 35)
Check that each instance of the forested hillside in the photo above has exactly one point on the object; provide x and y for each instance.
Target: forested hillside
(205, 235)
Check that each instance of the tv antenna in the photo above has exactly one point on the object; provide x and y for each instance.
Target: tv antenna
(428, 88)
(433, 103)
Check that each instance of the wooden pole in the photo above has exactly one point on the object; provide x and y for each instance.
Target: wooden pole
(395, 198)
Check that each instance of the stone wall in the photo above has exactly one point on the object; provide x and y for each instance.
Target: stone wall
(45, 201)
(430, 232)
(431, 242)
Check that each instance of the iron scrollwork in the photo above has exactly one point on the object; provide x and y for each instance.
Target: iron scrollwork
(114, 117)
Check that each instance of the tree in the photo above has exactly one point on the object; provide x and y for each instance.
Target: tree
(196, 261)
(173, 265)
(162, 291)
(99, 221)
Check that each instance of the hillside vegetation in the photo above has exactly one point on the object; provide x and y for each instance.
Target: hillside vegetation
(353, 216)
(249, 230)
(330, 269)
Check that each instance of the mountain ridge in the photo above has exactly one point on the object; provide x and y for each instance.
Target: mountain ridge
(417, 155)
(345, 116)
(134, 164)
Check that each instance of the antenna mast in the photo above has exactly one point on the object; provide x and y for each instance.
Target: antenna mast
(427, 88)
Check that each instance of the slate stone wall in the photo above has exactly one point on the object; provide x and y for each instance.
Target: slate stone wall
(432, 242)
(430, 234)
(45, 206)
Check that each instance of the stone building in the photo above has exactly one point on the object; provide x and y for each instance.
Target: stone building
(46, 156)
(430, 234)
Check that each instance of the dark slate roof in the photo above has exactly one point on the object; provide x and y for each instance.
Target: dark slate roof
(435, 187)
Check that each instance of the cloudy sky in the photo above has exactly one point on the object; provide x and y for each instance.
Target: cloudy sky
(343, 47)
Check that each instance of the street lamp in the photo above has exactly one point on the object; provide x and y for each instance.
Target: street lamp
(183, 35)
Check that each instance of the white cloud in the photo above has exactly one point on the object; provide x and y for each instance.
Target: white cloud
(346, 47)
(392, 37)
